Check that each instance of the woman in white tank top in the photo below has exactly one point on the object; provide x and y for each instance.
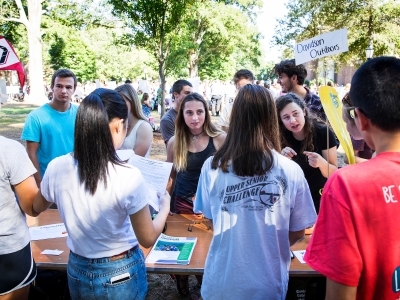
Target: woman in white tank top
(140, 134)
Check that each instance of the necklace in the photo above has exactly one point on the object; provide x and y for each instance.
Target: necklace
(196, 136)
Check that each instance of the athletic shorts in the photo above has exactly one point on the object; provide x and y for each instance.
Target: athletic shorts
(17, 270)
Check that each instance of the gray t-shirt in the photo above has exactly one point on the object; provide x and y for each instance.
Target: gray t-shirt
(167, 124)
(15, 167)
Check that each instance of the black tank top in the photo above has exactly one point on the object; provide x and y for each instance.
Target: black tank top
(186, 181)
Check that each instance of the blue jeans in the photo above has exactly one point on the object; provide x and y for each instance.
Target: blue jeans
(90, 278)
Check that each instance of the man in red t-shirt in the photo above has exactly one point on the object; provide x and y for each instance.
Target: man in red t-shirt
(356, 241)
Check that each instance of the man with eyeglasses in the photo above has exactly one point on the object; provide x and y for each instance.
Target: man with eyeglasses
(356, 241)
(49, 130)
(361, 149)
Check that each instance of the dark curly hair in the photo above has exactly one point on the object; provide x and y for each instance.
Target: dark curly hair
(311, 121)
(289, 68)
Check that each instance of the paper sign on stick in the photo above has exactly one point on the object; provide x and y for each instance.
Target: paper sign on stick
(333, 110)
(330, 43)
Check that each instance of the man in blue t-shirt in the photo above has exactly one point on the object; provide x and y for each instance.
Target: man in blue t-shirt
(49, 130)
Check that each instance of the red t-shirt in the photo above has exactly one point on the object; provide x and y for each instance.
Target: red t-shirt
(356, 240)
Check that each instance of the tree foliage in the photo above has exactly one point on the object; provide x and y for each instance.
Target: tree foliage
(29, 14)
(69, 51)
(216, 41)
(375, 21)
(154, 24)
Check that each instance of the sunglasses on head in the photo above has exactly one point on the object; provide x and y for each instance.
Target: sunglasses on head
(346, 100)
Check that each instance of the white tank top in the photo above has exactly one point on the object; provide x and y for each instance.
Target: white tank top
(130, 140)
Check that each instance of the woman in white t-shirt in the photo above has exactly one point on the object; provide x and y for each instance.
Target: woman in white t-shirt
(102, 200)
(17, 192)
(140, 133)
(258, 201)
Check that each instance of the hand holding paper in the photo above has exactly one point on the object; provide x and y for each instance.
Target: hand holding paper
(155, 173)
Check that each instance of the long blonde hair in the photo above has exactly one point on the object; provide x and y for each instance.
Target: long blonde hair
(128, 92)
(182, 132)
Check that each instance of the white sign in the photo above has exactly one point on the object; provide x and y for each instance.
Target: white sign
(322, 45)
(7, 55)
(144, 86)
(195, 81)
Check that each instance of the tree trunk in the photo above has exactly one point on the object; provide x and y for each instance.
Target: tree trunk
(161, 73)
(194, 63)
(35, 52)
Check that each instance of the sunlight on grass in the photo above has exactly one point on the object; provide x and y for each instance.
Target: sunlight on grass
(12, 118)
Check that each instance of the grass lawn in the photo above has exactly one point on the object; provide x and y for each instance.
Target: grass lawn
(12, 119)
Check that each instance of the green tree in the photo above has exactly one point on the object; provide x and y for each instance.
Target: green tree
(267, 72)
(153, 24)
(114, 60)
(217, 39)
(29, 14)
(370, 21)
(69, 51)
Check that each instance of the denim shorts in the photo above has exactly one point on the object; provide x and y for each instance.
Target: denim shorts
(91, 278)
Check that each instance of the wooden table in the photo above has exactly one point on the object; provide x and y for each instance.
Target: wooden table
(177, 225)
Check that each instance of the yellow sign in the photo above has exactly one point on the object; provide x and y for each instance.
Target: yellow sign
(333, 110)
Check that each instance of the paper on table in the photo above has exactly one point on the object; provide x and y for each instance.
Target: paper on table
(156, 173)
(300, 255)
(51, 252)
(48, 232)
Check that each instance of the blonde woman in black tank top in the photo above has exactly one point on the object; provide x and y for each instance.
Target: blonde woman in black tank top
(195, 139)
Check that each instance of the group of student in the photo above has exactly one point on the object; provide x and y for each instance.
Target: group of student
(260, 184)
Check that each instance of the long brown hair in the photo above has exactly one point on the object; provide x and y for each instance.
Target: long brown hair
(252, 135)
(311, 121)
(128, 92)
(182, 132)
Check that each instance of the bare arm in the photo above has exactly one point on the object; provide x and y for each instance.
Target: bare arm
(40, 203)
(144, 137)
(170, 158)
(26, 192)
(330, 156)
(335, 290)
(358, 159)
(327, 163)
(32, 149)
(147, 103)
(295, 236)
(219, 140)
(146, 230)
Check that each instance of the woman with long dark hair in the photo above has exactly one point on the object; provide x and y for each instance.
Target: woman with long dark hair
(307, 141)
(258, 202)
(196, 139)
(102, 200)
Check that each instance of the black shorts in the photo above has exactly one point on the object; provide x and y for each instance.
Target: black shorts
(17, 270)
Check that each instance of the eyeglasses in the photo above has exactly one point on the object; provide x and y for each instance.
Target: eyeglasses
(346, 100)
(352, 112)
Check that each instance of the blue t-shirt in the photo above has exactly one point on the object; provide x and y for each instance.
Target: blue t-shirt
(53, 130)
